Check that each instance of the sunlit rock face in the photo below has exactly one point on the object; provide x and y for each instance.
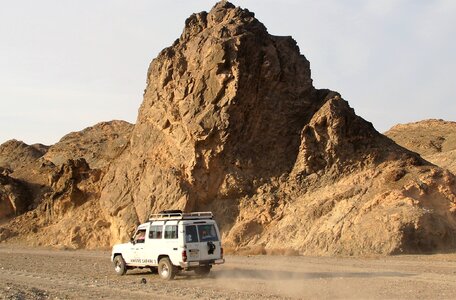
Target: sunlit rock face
(231, 123)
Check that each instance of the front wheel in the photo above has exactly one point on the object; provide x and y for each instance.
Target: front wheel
(119, 265)
(166, 270)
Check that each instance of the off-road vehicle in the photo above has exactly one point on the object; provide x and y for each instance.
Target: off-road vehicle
(172, 241)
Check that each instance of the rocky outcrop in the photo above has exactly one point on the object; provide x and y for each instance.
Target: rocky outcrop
(63, 196)
(434, 140)
(16, 154)
(98, 144)
(232, 123)
(14, 197)
(352, 192)
(69, 215)
(223, 108)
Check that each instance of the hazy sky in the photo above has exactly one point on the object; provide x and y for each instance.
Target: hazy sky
(66, 65)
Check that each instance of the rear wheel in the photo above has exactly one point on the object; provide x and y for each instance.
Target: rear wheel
(203, 271)
(166, 270)
(119, 265)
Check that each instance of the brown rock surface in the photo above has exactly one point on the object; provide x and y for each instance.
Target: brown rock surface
(231, 123)
(26, 176)
(68, 215)
(434, 140)
(16, 154)
(14, 197)
(63, 195)
(98, 144)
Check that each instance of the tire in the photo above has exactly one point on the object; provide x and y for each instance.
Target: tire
(119, 265)
(166, 270)
(203, 271)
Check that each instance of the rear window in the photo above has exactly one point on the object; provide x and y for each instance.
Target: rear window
(190, 234)
(200, 233)
(207, 233)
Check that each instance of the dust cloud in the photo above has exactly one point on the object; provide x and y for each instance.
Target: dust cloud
(288, 277)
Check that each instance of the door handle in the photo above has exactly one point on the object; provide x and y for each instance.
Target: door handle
(174, 248)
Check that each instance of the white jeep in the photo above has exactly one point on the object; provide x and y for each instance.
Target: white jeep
(171, 242)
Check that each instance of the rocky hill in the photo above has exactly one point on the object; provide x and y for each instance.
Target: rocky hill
(434, 140)
(53, 183)
(16, 154)
(98, 144)
(15, 196)
(232, 123)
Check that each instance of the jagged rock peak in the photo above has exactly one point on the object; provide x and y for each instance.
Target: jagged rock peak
(224, 17)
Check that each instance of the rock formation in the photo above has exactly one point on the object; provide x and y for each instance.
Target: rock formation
(14, 197)
(15, 154)
(68, 215)
(232, 123)
(434, 140)
(98, 144)
(63, 196)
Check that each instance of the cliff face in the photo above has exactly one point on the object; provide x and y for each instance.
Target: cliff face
(232, 123)
(223, 108)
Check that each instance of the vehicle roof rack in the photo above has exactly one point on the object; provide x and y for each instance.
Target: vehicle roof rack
(175, 215)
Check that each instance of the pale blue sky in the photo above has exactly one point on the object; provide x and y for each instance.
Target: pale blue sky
(66, 65)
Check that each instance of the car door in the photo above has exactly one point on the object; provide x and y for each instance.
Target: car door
(139, 247)
(154, 246)
(202, 240)
(209, 243)
(171, 241)
(192, 243)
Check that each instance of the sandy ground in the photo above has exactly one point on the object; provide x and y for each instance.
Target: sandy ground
(27, 273)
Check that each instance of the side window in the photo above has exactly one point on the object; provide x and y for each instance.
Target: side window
(171, 232)
(155, 231)
(140, 236)
(190, 234)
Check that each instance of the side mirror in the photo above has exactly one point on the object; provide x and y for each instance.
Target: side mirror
(132, 240)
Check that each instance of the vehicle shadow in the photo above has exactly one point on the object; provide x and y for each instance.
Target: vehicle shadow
(188, 275)
(270, 274)
(289, 275)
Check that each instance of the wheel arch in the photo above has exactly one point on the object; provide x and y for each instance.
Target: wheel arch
(163, 256)
(116, 254)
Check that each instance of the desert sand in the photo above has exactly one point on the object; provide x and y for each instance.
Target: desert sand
(40, 273)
